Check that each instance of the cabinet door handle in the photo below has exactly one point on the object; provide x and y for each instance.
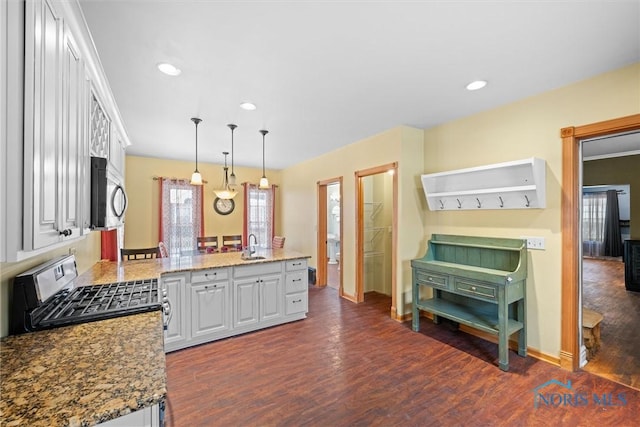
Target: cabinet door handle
(296, 300)
(66, 232)
(297, 280)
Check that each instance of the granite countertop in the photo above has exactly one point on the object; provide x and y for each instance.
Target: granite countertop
(84, 374)
(109, 271)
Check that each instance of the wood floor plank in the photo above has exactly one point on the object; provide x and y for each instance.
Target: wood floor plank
(351, 365)
(604, 292)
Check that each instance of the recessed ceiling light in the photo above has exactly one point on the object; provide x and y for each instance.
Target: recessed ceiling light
(249, 106)
(478, 84)
(169, 69)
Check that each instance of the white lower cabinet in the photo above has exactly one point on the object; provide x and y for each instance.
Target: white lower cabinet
(257, 293)
(217, 303)
(245, 300)
(210, 310)
(147, 417)
(175, 334)
(296, 285)
(257, 299)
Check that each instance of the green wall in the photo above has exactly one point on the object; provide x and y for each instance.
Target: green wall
(618, 171)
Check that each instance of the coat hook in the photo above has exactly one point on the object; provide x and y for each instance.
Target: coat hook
(479, 204)
(528, 203)
(459, 204)
(441, 204)
(501, 202)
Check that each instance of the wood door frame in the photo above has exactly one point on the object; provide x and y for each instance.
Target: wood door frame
(321, 273)
(359, 296)
(572, 138)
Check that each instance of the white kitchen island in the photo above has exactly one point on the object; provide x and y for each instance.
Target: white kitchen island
(215, 296)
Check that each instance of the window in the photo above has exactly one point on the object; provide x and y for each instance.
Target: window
(259, 214)
(181, 215)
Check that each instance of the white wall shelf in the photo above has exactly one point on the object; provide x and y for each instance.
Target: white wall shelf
(518, 184)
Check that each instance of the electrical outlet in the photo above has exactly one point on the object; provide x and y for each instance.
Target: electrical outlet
(534, 242)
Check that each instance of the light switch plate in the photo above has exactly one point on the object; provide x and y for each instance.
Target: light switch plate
(536, 243)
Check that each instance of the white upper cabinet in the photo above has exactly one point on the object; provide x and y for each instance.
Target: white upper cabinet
(519, 184)
(43, 125)
(53, 91)
(74, 141)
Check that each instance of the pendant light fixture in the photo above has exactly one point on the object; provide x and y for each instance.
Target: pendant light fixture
(226, 192)
(232, 177)
(196, 178)
(264, 182)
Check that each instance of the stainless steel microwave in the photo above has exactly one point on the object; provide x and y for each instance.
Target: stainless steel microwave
(108, 197)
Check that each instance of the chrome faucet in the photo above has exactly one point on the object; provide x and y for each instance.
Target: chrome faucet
(252, 249)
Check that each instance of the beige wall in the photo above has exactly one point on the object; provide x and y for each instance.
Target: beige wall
(87, 254)
(142, 218)
(528, 128)
(300, 204)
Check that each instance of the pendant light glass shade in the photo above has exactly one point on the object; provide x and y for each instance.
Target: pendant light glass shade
(226, 192)
(232, 177)
(264, 182)
(196, 178)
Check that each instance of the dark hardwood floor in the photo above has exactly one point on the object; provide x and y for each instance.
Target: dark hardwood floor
(351, 365)
(603, 291)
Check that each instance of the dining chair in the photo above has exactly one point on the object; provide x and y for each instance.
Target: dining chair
(143, 253)
(278, 242)
(232, 242)
(164, 251)
(206, 242)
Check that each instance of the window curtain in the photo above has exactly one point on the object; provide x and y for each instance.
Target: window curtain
(259, 214)
(181, 215)
(594, 209)
(612, 237)
(601, 224)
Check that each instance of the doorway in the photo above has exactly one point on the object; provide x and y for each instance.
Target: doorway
(376, 231)
(329, 236)
(571, 318)
(610, 313)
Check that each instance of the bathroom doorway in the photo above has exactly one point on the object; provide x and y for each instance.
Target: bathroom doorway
(329, 272)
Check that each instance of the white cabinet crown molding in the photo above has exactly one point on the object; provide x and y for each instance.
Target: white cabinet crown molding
(519, 184)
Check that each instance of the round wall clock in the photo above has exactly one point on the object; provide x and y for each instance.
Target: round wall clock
(223, 206)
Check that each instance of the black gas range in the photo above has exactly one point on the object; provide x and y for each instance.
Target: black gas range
(46, 297)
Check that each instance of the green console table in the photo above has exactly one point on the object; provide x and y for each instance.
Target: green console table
(475, 281)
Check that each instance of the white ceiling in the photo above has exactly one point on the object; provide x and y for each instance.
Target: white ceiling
(328, 73)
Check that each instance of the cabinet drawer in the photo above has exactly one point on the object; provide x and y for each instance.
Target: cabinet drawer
(431, 279)
(209, 275)
(476, 289)
(296, 282)
(257, 269)
(296, 303)
(296, 264)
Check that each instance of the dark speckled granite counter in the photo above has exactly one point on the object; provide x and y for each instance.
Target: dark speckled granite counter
(84, 374)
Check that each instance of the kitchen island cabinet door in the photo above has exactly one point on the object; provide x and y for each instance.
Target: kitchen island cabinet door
(245, 296)
(271, 297)
(210, 312)
(175, 336)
